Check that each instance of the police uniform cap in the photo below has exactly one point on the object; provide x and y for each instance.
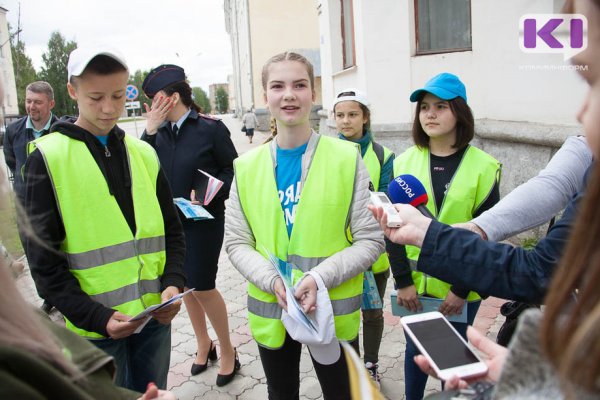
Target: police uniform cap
(161, 77)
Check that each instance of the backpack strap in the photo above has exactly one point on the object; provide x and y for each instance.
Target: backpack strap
(379, 152)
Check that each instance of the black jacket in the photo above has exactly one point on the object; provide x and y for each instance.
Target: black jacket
(15, 150)
(461, 257)
(49, 266)
(202, 143)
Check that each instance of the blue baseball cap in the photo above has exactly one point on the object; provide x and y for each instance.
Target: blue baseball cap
(446, 86)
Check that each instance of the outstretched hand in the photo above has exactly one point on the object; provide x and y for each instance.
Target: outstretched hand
(154, 393)
(414, 225)
(495, 357)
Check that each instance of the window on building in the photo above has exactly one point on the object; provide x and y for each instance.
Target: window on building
(443, 25)
(348, 34)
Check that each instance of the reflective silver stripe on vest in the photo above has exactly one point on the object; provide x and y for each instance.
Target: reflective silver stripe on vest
(412, 264)
(114, 253)
(346, 306)
(127, 293)
(305, 264)
(264, 309)
(272, 310)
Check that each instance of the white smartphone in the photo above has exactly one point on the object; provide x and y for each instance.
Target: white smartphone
(447, 352)
(380, 199)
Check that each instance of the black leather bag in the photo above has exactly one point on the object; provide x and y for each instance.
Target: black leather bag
(511, 310)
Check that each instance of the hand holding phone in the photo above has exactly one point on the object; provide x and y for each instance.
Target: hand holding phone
(447, 353)
(380, 199)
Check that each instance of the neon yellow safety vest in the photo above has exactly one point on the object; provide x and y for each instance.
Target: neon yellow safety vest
(470, 186)
(320, 225)
(115, 268)
(372, 163)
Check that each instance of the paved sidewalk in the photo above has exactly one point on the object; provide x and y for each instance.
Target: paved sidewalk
(250, 383)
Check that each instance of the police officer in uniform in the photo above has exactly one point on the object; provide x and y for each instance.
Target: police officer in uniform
(186, 141)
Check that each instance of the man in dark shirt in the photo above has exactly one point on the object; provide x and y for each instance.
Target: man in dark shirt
(39, 102)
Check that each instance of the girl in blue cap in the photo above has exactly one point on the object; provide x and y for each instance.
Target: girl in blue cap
(461, 181)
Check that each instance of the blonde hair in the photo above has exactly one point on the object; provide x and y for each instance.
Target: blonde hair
(273, 129)
(19, 326)
(569, 331)
(288, 56)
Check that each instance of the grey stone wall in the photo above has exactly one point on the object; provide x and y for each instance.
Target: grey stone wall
(523, 148)
(264, 118)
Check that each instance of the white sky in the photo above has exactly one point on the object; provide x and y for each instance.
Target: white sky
(189, 33)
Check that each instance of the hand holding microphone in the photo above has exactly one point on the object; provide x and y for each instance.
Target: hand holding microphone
(408, 193)
(407, 189)
(412, 229)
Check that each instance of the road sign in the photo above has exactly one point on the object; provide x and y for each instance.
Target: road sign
(131, 93)
(132, 105)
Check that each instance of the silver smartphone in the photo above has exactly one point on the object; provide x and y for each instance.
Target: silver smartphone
(447, 352)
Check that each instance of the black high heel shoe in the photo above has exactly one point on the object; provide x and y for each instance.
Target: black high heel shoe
(223, 380)
(212, 355)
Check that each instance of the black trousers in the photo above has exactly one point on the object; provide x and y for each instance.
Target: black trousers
(282, 369)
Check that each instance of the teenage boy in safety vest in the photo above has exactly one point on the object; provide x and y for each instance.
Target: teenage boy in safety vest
(110, 243)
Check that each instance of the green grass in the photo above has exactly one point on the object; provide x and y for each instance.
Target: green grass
(530, 242)
(10, 236)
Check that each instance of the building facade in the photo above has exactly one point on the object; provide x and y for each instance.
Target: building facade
(231, 92)
(524, 104)
(260, 29)
(212, 95)
(7, 74)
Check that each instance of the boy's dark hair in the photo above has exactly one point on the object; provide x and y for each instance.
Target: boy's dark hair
(185, 92)
(465, 124)
(101, 65)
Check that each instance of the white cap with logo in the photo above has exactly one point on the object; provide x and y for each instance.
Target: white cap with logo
(351, 94)
(81, 57)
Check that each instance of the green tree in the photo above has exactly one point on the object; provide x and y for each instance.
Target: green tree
(24, 70)
(221, 100)
(55, 72)
(136, 79)
(201, 99)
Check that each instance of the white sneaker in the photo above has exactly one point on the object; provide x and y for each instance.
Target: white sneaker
(373, 370)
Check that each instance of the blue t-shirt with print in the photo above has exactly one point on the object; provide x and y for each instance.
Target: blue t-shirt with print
(288, 174)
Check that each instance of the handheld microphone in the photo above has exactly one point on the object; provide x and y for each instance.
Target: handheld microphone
(407, 189)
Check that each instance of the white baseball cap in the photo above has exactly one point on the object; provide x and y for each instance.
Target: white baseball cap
(323, 344)
(81, 57)
(351, 94)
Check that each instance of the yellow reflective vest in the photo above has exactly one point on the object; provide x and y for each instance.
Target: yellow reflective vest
(470, 186)
(374, 167)
(114, 267)
(320, 230)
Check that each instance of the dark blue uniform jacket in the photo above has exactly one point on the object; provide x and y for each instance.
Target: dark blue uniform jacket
(201, 143)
